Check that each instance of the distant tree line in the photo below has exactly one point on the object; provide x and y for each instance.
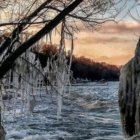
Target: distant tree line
(81, 67)
(88, 69)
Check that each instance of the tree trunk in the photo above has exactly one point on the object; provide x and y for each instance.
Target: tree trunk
(129, 96)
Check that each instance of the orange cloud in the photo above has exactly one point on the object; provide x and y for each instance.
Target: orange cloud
(121, 27)
(117, 60)
(114, 27)
(102, 39)
(114, 43)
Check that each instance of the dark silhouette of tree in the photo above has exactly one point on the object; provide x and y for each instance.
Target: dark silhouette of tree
(89, 12)
(85, 68)
(82, 67)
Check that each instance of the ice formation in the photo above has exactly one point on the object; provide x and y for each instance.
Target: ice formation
(27, 78)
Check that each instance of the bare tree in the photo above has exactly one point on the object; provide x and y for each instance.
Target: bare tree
(45, 16)
(90, 12)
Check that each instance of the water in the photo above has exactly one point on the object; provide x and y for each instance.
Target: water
(89, 113)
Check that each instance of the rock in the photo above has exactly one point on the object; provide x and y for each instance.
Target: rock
(97, 104)
(129, 95)
(135, 137)
(7, 97)
(60, 138)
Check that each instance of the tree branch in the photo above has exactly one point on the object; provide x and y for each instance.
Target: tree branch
(7, 64)
(22, 24)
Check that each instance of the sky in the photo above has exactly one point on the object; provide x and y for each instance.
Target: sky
(113, 43)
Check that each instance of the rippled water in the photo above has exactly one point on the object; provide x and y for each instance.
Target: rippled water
(89, 113)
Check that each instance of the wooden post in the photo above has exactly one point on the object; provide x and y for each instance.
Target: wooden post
(2, 131)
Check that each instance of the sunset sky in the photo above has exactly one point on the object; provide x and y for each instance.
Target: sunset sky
(113, 43)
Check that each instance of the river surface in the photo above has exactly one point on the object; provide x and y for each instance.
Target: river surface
(90, 112)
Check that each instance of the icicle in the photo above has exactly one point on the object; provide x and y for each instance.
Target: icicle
(59, 106)
(1, 94)
(32, 104)
(59, 99)
(61, 84)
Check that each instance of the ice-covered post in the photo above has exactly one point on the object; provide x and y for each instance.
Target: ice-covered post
(2, 131)
(59, 98)
(129, 96)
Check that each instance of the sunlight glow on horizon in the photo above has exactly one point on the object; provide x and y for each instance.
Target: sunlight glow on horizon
(113, 43)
